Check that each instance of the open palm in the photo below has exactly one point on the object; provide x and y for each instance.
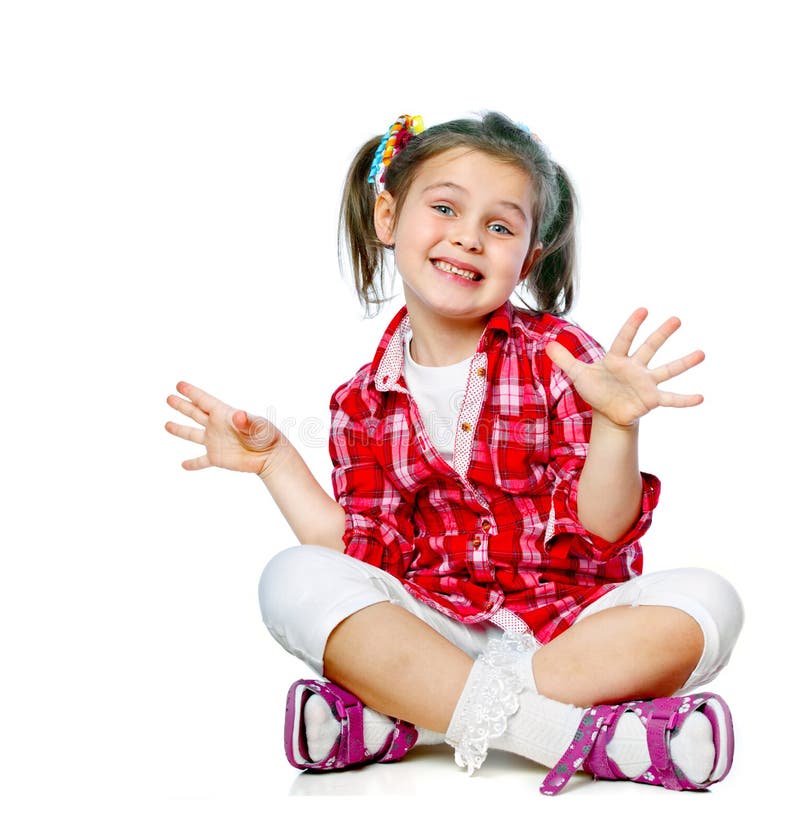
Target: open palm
(621, 387)
(233, 438)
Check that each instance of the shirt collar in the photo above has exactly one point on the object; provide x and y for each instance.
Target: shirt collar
(387, 365)
(500, 321)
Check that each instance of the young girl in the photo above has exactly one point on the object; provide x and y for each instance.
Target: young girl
(478, 577)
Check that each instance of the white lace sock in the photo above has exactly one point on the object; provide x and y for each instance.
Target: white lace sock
(500, 708)
(322, 729)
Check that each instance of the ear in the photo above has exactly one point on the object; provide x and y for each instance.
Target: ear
(531, 259)
(383, 216)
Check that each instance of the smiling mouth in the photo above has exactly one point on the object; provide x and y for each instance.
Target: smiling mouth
(457, 271)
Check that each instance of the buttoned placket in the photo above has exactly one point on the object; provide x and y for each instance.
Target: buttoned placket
(469, 414)
(388, 379)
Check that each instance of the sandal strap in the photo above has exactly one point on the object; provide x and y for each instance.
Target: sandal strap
(402, 737)
(349, 712)
(661, 717)
(597, 761)
(594, 723)
(660, 724)
(348, 748)
(666, 717)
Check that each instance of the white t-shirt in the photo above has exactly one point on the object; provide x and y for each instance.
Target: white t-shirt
(438, 391)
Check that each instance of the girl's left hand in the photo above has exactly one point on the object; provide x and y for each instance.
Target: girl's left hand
(621, 387)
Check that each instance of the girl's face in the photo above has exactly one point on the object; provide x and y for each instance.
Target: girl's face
(462, 238)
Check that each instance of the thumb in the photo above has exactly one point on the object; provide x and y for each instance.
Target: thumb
(258, 432)
(240, 420)
(563, 359)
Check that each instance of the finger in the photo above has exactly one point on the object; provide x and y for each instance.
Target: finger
(205, 401)
(676, 367)
(624, 339)
(644, 354)
(188, 409)
(680, 401)
(564, 360)
(189, 433)
(196, 464)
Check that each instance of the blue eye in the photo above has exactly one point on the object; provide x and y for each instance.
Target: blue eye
(500, 228)
(443, 210)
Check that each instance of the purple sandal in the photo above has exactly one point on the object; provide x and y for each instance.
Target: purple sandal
(348, 749)
(661, 717)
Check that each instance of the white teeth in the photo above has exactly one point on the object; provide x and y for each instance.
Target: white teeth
(449, 268)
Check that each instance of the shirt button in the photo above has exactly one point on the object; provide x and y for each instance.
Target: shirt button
(486, 525)
(481, 372)
(476, 542)
(466, 426)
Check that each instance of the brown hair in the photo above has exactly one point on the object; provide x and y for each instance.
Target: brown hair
(552, 279)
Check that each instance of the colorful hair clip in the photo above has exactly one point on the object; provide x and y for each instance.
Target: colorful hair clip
(392, 143)
(522, 126)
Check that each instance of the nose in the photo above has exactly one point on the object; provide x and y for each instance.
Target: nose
(467, 235)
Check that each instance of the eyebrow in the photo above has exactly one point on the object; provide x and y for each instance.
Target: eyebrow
(447, 184)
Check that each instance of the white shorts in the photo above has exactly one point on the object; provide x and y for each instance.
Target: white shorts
(306, 591)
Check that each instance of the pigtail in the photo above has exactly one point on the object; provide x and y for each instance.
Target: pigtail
(552, 280)
(357, 235)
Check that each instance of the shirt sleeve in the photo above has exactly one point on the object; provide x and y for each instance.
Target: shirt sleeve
(379, 527)
(570, 427)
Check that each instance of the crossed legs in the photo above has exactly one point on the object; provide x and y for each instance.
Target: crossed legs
(363, 630)
(399, 666)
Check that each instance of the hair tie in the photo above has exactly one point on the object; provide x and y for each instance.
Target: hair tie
(392, 143)
(535, 137)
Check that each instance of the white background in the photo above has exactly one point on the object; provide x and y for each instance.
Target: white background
(170, 183)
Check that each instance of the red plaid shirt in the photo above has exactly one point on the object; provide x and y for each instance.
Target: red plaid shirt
(499, 527)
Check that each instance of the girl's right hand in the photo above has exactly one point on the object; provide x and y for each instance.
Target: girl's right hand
(233, 439)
